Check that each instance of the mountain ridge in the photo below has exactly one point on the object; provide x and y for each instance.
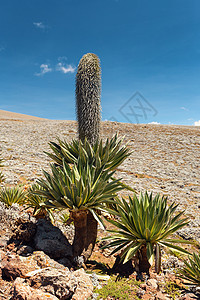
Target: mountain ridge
(8, 115)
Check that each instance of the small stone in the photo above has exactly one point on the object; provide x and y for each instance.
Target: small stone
(189, 296)
(143, 286)
(152, 283)
(13, 266)
(58, 282)
(140, 293)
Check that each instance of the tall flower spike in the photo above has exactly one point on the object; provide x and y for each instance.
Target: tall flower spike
(88, 94)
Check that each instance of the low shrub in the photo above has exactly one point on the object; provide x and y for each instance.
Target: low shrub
(12, 195)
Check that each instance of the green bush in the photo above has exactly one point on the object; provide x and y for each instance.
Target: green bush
(80, 187)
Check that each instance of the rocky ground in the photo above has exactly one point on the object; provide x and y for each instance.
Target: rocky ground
(164, 159)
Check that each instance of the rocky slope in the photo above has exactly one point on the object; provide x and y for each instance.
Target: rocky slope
(164, 159)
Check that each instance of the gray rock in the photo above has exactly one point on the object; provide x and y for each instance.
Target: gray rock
(51, 240)
(65, 262)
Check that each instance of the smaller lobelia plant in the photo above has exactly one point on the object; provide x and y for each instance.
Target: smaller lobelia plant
(144, 226)
(191, 270)
(12, 195)
(65, 218)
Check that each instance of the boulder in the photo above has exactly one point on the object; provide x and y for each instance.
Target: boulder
(51, 240)
(13, 266)
(58, 282)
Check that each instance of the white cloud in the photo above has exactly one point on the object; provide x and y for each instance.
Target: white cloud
(197, 123)
(156, 123)
(65, 68)
(40, 25)
(44, 68)
(61, 66)
(184, 108)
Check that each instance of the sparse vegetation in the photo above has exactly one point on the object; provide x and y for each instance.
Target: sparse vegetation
(122, 289)
(65, 218)
(172, 289)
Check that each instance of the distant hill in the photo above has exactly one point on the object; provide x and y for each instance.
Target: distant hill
(7, 115)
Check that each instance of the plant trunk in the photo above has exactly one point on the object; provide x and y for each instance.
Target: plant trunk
(80, 236)
(143, 263)
(157, 259)
(85, 233)
(91, 236)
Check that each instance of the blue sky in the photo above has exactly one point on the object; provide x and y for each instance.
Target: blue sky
(149, 52)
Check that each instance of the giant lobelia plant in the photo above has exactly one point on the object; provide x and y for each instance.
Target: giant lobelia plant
(88, 107)
(88, 150)
(11, 195)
